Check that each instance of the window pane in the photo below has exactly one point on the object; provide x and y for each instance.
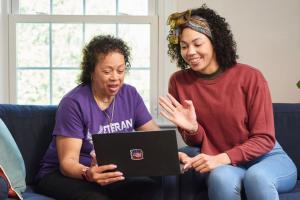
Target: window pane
(63, 82)
(138, 38)
(32, 45)
(133, 7)
(92, 30)
(92, 7)
(48, 55)
(67, 44)
(67, 7)
(33, 87)
(34, 7)
(100, 7)
(141, 80)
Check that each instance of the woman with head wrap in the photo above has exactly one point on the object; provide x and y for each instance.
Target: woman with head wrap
(224, 108)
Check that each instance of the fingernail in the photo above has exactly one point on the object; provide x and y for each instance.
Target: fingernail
(185, 166)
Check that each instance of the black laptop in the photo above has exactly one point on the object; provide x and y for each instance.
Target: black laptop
(143, 153)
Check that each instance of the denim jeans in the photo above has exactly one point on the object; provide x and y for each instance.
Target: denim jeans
(262, 178)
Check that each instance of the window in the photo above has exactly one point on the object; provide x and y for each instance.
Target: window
(47, 36)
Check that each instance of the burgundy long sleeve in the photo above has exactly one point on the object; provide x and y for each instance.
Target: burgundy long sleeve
(234, 112)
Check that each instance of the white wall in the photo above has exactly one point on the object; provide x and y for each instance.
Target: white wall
(3, 53)
(268, 37)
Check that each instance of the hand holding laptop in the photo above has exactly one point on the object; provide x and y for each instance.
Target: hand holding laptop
(102, 174)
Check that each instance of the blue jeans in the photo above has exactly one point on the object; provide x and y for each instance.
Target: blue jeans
(262, 178)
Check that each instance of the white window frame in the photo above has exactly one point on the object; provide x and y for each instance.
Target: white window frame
(152, 19)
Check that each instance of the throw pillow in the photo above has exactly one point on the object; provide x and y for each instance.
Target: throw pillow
(11, 161)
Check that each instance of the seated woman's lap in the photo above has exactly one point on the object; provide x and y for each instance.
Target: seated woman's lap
(137, 188)
(273, 171)
(61, 187)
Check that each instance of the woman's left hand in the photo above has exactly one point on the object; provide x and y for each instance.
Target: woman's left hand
(205, 163)
(103, 174)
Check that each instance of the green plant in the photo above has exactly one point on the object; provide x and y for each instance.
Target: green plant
(298, 84)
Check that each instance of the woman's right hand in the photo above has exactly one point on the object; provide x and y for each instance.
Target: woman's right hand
(185, 161)
(103, 174)
(183, 116)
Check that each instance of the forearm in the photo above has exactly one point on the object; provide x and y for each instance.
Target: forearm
(68, 150)
(252, 148)
(72, 168)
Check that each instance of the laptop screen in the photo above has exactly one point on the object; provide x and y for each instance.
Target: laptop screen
(143, 153)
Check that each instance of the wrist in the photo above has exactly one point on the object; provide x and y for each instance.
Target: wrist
(85, 174)
(195, 127)
(193, 130)
(224, 159)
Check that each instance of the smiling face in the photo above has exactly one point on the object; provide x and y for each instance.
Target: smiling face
(197, 51)
(108, 77)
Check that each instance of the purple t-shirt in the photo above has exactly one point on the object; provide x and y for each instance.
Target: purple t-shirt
(79, 116)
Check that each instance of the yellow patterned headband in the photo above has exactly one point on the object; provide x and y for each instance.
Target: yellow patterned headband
(177, 21)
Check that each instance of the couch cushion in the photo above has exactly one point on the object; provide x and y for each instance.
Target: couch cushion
(31, 128)
(287, 129)
(30, 195)
(293, 195)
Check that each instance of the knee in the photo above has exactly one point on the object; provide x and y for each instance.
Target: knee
(224, 183)
(257, 177)
(224, 177)
(257, 180)
(259, 185)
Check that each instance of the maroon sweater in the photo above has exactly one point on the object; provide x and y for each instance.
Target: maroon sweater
(234, 112)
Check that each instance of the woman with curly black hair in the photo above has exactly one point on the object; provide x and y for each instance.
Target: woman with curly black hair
(224, 108)
(101, 104)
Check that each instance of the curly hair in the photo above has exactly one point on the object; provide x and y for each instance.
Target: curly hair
(223, 42)
(101, 44)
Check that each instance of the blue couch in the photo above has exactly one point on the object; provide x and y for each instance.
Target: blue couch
(31, 127)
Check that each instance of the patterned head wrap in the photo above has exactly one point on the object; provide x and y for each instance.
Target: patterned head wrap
(177, 21)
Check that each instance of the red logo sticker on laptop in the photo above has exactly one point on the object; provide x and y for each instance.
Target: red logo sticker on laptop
(136, 154)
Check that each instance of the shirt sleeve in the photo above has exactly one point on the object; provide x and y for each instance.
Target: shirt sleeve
(261, 137)
(141, 113)
(69, 119)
